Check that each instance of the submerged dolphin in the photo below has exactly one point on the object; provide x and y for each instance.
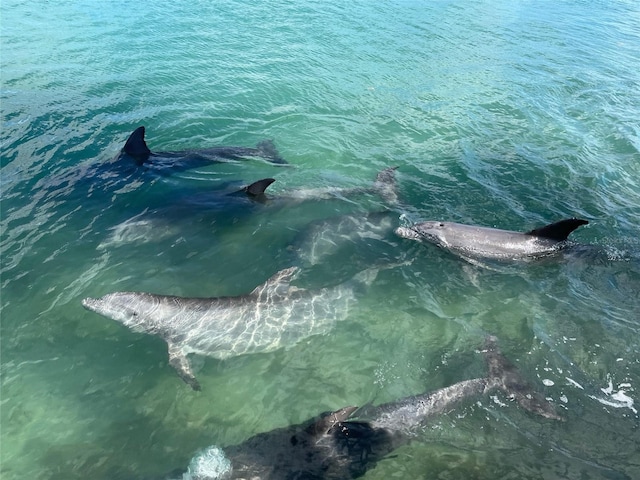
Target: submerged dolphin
(491, 243)
(344, 444)
(136, 148)
(161, 222)
(273, 315)
(145, 227)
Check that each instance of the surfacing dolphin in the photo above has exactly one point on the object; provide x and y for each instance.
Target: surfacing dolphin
(136, 148)
(274, 315)
(344, 444)
(473, 242)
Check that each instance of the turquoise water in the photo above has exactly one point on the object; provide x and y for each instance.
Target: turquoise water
(500, 114)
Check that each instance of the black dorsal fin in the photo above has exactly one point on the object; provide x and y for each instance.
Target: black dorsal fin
(558, 231)
(258, 188)
(136, 147)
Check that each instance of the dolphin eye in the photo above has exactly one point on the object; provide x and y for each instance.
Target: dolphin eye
(441, 225)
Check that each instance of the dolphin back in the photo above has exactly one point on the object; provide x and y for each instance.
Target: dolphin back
(558, 231)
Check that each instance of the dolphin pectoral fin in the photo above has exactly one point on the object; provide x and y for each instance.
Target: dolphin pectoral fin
(505, 376)
(179, 361)
(558, 231)
(136, 147)
(269, 151)
(280, 280)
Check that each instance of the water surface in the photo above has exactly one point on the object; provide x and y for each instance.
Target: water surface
(506, 115)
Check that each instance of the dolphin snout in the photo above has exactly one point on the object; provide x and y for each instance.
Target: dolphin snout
(89, 303)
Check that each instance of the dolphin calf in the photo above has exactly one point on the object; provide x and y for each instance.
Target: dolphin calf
(275, 314)
(471, 241)
(136, 149)
(345, 443)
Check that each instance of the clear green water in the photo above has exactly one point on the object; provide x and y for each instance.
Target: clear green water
(500, 114)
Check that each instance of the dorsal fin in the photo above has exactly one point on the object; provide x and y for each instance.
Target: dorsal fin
(558, 231)
(280, 279)
(258, 188)
(136, 147)
(255, 191)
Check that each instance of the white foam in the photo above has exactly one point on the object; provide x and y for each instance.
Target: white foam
(209, 464)
(574, 383)
(617, 398)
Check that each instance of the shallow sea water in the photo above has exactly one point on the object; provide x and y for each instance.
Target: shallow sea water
(506, 115)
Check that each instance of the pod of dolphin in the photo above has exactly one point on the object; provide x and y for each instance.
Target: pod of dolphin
(347, 442)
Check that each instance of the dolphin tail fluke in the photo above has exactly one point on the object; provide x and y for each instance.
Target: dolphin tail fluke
(386, 185)
(179, 361)
(505, 376)
(269, 151)
(136, 147)
(558, 231)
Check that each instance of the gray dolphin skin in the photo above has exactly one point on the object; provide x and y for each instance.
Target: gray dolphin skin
(482, 242)
(136, 148)
(344, 444)
(274, 315)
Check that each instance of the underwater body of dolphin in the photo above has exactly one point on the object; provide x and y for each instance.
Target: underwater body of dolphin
(159, 223)
(274, 315)
(344, 444)
(136, 148)
(491, 243)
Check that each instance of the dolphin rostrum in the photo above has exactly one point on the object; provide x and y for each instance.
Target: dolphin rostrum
(136, 148)
(344, 444)
(482, 242)
(275, 314)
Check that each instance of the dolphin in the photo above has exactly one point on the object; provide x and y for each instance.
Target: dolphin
(471, 241)
(145, 227)
(274, 315)
(136, 149)
(225, 203)
(345, 443)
